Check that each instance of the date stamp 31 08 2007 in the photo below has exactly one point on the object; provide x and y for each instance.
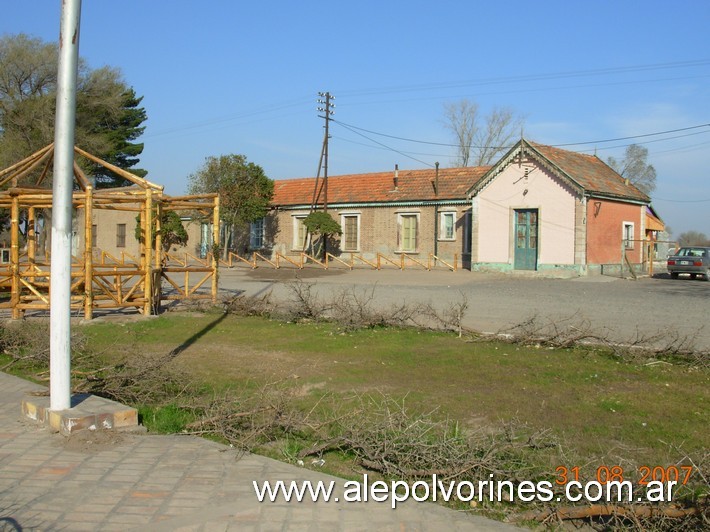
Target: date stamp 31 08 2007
(656, 482)
(646, 474)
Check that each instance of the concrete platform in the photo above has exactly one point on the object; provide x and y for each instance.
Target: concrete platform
(87, 412)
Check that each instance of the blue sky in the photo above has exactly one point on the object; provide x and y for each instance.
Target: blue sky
(221, 77)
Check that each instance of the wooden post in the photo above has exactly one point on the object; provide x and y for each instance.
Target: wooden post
(215, 260)
(31, 235)
(156, 295)
(15, 256)
(148, 257)
(158, 235)
(88, 254)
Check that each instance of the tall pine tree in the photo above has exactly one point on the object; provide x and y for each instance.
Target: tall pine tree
(109, 116)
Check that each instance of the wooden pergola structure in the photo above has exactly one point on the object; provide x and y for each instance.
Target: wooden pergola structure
(97, 283)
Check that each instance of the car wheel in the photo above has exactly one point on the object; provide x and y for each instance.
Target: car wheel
(674, 275)
(692, 276)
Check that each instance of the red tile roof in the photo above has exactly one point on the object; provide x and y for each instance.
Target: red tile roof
(590, 172)
(412, 185)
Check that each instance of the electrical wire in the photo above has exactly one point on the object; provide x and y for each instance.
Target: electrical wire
(681, 201)
(350, 141)
(645, 135)
(518, 90)
(526, 78)
(388, 147)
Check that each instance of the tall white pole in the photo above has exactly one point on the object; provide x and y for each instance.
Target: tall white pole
(60, 286)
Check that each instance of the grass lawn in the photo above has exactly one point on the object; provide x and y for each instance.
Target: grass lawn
(597, 405)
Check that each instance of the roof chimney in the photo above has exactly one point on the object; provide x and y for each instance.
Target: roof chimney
(396, 176)
(626, 181)
(436, 180)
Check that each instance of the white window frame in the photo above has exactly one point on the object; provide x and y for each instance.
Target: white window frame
(400, 232)
(299, 245)
(628, 242)
(256, 234)
(343, 216)
(442, 226)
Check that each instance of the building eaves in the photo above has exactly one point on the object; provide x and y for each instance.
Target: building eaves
(586, 174)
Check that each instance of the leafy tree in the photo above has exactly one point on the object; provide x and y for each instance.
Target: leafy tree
(244, 190)
(634, 167)
(693, 238)
(108, 115)
(172, 231)
(480, 139)
(321, 225)
(108, 126)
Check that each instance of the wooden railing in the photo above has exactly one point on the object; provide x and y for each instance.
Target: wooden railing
(402, 261)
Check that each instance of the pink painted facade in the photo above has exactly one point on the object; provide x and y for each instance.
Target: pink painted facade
(525, 186)
(541, 208)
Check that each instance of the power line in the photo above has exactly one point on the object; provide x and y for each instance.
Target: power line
(351, 127)
(417, 141)
(383, 145)
(638, 136)
(443, 85)
(527, 78)
(498, 91)
(229, 118)
(644, 143)
(351, 141)
(682, 201)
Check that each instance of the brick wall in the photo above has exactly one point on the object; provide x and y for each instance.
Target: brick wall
(107, 239)
(380, 230)
(605, 229)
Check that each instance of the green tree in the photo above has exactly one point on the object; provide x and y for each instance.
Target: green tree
(172, 231)
(634, 167)
(321, 225)
(244, 190)
(108, 117)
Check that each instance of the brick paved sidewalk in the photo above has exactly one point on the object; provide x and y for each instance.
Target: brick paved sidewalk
(98, 481)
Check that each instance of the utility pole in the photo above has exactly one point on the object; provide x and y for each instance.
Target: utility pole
(327, 110)
(60, 275)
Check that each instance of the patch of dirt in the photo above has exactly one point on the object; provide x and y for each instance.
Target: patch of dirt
(306, 389)
(92, 441)
(235, 360)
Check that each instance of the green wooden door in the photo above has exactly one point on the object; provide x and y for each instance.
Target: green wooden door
(526, 239)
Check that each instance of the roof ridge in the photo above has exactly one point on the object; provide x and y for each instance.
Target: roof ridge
(415, 171)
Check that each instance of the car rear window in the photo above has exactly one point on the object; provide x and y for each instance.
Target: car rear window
(691, 252)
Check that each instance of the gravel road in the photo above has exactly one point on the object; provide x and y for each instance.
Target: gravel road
(619, 309)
